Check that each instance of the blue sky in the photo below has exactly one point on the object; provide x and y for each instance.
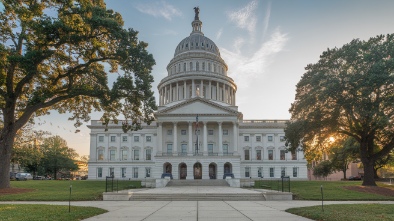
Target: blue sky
(266, 44)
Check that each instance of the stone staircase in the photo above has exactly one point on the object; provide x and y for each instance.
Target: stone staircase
(173, 183)
(198, 197)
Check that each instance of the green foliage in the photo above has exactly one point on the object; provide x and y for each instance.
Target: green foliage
(323, 169)
(342, 153)
(347, 212)
(22, 212)
(349, 92)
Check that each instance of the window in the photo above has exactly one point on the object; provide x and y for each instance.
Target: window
(203, 66)
(169, 148)
(270, 138)
(294, 156)
(112, 154)
(210, 149)
(272, 174)
(123, 172)
(246, 138)
(197, 66)
(111, 172)
(260, 172)
(225, 132)
(113, 138)
(295, 171)
(258, 154)
(282, 155)
(148, 138)
(124, 154)
(148, 154)
(101, 138)
(283, 172)
(282, 139)
(209, 66)
(169, 132)
(270, 154)
(124, 138)
(191, 66)
(99, 172)
(100, 155)
(136, 139)
(183, 132)
(184, 149)
(258, 138)
(136, 154)
(184, 67)
(247, 171)
(135, 172)
(147, 172)
(210, 132)
(247, 157)
(225, 149)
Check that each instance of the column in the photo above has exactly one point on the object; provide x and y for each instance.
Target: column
(205, 138)
(177, 92)
(223, 95)
(217, 90)
(175, 141)
(165, 94)
(190, 152)
(235, 140)
(234, 98)
(209, 96)
(159, 138)
(193, 89)
(184, 90)
(220, 143)
(170, 93)
(202, 89)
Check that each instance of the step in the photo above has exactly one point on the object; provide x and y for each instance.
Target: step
(197, 197)
(197, 183)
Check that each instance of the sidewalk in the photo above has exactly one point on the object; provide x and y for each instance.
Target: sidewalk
(197, 210)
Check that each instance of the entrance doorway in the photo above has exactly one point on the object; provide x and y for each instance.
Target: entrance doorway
(182, 171)
(212, 171)
(167, 168)
(228, 168)
(197, 171)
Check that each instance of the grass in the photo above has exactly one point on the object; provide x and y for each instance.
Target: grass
(22, 212)
(59, 190)
(344, 212)
(332, 190)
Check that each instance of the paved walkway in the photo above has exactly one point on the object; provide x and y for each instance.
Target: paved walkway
(197, 210)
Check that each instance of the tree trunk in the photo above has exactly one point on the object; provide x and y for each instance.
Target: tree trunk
(369, 179)
(6, 143)
(344, 171)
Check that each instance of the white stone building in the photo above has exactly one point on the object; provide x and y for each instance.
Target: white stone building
(221, 142)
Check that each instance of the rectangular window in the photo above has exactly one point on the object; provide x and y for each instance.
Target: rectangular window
(270, 138)
(282, 139)
(225, 149)
(210, 132)
(294, 156)
(260, 172)
(247, 171)
(112, 172)
(124, 154)
(295, 171)
(136, 139)
(184, 149)
(282, 155)
(270, 154)
(112, 154)
(258, 138)
(135, 172)
(123, 172)
(100, 155)
(136, 154)
(148, 154)
(283, 172)
(183, 132)
(148, 138)
(247, 157)
(124, 138)
(210, 149)
(101, 138)
(113, 138)
(147, 172)
(169, 132)
(169, 148)
(99, 172)
(272, 174)
(246, 138)
(225, 132)
(258, 154)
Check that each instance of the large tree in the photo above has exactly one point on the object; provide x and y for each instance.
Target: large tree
(54, 55)
(348, 92)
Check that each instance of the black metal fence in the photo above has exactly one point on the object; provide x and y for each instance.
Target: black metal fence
(281, 185)
(113, 184)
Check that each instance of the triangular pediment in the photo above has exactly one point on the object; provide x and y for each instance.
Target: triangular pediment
(198, 106)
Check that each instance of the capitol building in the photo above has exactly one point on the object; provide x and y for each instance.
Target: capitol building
(198, 132)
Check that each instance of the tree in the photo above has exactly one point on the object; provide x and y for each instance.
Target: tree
(323, 169)
(343, 152)
(58, 61)
(348, 92)
(57, 157)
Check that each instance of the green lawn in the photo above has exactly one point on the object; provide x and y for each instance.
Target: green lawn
(21, 212)
(343, 212)
(59, 190)
(332, 190)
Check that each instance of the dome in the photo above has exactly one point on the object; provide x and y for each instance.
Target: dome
(196, 42)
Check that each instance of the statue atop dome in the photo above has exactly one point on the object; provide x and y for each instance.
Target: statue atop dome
(197, 12)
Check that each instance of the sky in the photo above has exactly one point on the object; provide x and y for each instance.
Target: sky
(266, 45)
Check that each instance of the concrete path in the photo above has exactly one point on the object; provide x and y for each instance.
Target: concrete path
(197, 210)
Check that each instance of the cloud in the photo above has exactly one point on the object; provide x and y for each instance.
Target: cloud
(245, 18)
(159, 9)
(219, 34)
(245, 68)
(267, 18)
